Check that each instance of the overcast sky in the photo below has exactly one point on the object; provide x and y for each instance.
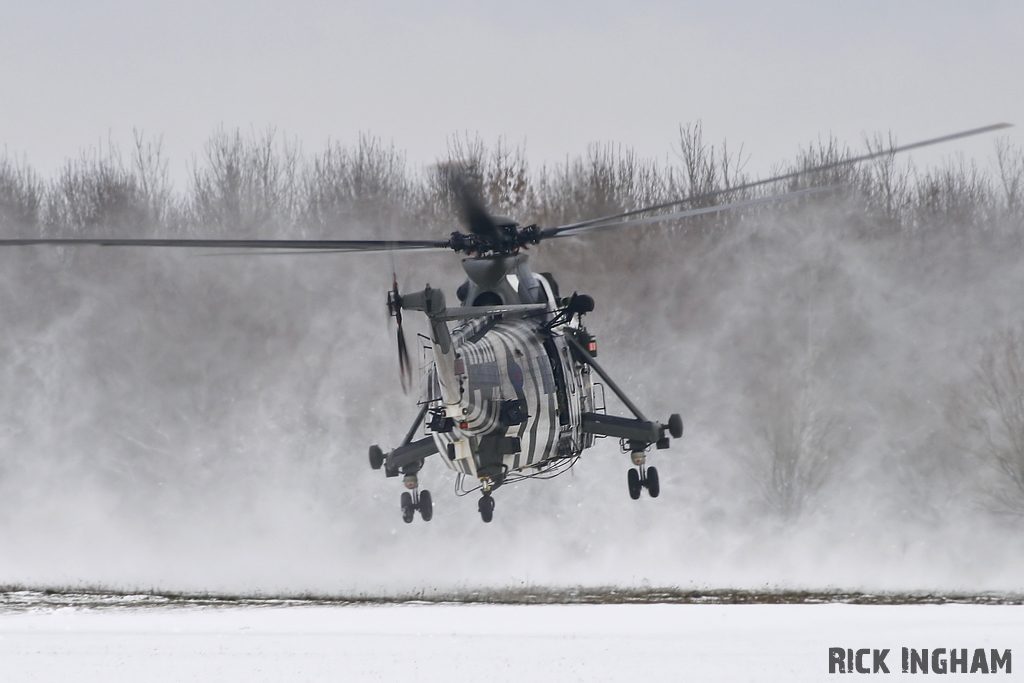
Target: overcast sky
(553, 76)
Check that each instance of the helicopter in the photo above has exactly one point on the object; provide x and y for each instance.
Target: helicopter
(509, 388)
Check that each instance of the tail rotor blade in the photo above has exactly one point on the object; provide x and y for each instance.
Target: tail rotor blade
(395, 311)
(404, 365)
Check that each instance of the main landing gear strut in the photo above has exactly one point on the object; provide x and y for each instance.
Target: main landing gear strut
(407, 460)
(637, 434)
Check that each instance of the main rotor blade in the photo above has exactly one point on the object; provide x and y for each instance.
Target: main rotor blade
(474, 213)
(552, 232)
(589, 229)
(302, 246)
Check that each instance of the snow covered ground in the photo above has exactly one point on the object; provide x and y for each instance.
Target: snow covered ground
(444, 642)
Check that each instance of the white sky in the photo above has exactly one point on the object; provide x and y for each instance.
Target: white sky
(554, 76)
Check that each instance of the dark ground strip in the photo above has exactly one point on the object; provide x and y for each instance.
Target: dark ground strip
(20, 599)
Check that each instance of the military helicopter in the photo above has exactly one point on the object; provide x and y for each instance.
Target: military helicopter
(509, 392)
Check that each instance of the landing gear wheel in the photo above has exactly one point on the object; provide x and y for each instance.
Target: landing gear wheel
(633, 479)
(652, 483)
(376, 457)
(408, 511)
(486, 507)
(426, 506)
(675, 426)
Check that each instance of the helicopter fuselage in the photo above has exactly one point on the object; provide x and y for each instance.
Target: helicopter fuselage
(522, 397)
(504, 390)
(508, 393)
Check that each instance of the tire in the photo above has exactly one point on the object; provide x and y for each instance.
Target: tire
(633, 479)
(426, 506)
(486, 508)
(652, 483)
(675, 426)
(376, 457)
(407, 509)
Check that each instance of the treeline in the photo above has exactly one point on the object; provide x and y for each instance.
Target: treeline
(264, 185)
(830, 342)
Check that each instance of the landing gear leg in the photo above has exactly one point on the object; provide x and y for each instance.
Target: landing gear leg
(637, 434)
(486, 507)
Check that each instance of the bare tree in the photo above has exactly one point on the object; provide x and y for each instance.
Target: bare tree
(992, 413)
(150, 167)
(21, 197)
(955, 197)
(706, 169)
(801, 448)
(887, 184)
(507, 183)
(368, 186)
(247, 186)
(1010, 161)
(96, 193)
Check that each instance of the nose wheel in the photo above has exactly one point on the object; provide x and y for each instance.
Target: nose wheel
(643, 478)
(486, 507)
(417, 500)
